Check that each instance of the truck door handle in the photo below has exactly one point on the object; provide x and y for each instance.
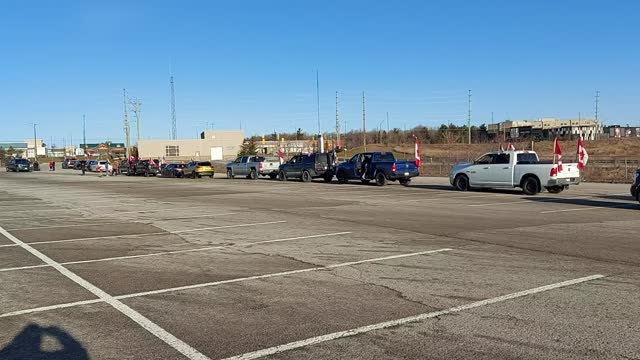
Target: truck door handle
(486, 168)
(472, 172)
(506, 168)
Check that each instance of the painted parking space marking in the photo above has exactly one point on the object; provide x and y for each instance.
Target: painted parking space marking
(152, 233)
(621, 206)
(411, 319)
(144, 322)
(215, 283)
(125, 257)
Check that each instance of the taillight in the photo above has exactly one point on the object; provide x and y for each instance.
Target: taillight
(393, 167)
(259, 165)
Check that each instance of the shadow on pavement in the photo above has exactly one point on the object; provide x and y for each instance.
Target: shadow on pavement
(28, 344)
(586, 202)
(616, 197)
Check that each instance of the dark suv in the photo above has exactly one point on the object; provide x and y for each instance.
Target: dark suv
(635, 188)
(147, 168)
(127, 167)
(68, 163)
(17, 165)
(307, 167)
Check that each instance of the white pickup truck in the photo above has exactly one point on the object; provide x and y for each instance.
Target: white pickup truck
(253, 166)
(514, 169)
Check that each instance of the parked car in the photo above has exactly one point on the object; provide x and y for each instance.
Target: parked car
(253, 166)
(377, 166)
(127, 167)
(514, 169)
(173, 170)
(18, 165)
(68, 163)
(147, 168)
(198, 169)
(100, 166)
(308, 167)
(79, 164)
(635, 188)
(90, 164)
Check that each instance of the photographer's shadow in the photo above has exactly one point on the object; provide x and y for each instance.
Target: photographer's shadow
(39, 343)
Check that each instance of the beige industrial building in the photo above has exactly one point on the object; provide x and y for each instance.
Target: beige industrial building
(212, 145)
(546, 128)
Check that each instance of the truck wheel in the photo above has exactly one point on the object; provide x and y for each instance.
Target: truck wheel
(461, 183)
(530, 186)
(252, 174)
(229, 174)
(306, 177)
(381, 179)
(342, 177)
(146, 174)
(273, 176)
(405, 182)
(555, 189)
(282, 176)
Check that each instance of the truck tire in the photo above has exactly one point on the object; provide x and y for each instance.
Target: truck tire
(282, 176)
(328, 176)
(555, 189)
(306, 176)
(253, 174)
(405, 182)
(229, 174)
(273, 176)
(342, 177)
(146, 174)
(381, 179)
(461, 183)
(366, 182)
(530, 185)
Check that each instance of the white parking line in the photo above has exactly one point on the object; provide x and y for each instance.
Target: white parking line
(587, 208)
(151, 233)
(176, 251)
(147, 324)
(65, 226)
(195, 286)
(387, 324)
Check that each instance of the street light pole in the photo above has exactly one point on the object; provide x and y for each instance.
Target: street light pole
(35, 146)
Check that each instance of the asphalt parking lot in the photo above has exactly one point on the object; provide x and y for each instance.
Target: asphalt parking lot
(151, 268)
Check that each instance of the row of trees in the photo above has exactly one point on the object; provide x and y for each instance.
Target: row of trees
(9, 152)
(445, 134)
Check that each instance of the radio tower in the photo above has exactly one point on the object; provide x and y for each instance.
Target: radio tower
(174, 131)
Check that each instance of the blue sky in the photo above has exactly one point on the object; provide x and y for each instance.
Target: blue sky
(255, 62)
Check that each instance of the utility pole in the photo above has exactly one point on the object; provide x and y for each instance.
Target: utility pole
(364, 125)
(174, 130)
(469, 118)
(127, 139)
(35, 144)
(387, 123)
(337, 123)
(84, 134)
(318, 99)
(597, 103)
(135, 102)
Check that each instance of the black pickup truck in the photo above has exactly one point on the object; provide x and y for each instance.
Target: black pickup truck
(147, 167)
(378, 166)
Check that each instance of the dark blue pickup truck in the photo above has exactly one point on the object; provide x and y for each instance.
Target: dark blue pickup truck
(378, 166)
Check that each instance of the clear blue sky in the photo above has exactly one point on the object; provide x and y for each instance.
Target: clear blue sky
(255, 62)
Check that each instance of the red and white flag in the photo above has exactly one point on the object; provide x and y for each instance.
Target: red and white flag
(501, 148)
(280, 156)
(583, 157)
(417, 151)
(557, 152)
(511, 147)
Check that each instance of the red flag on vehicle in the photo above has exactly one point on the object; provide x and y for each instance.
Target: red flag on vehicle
(501, 147)
(557, 152)
(417, 151)
(280, 156)
(583, 157)
(511, 147)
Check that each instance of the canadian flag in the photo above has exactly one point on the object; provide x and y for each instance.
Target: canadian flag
(417, 151)
(556, 152)
(511, 147)
(280, 156)
(583, 157)
(501, 148)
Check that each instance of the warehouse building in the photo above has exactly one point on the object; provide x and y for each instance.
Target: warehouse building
(546, 128)
(212, 145)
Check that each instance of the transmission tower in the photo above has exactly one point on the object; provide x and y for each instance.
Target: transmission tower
(174, 130)
(337, 123)
(127, 138)
(136, 105)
